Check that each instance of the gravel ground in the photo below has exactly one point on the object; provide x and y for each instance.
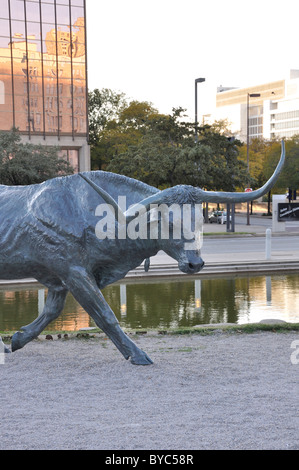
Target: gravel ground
(223, 391)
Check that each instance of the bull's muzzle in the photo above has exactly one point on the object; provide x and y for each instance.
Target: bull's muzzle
(192, 267)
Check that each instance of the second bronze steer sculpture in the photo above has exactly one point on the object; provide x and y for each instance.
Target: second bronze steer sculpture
(48, 232)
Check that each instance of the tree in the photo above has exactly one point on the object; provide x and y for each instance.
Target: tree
(167, 154)
(226, 170)
(115, 124)
(129, 127)
(103, 107)
(157, 164)
(289, 177)
(24, 163)
(263, 158)
(257, 155)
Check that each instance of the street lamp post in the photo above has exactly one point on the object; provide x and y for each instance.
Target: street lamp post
(249, 95)
(197, 80)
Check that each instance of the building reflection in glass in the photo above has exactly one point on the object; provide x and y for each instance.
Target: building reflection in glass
(43, 82)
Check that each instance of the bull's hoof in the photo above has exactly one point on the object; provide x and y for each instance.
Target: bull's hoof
(18, 341)
(141, 359)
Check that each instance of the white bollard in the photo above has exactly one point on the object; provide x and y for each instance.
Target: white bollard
(41, 301)
(123, 299)
(268, 243)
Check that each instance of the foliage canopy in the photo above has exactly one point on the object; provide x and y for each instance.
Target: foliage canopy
(136, 140)
(24, 163)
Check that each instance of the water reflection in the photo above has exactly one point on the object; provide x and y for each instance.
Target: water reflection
(170, 303)
(197, 289)
(269, 290)
(123, 299)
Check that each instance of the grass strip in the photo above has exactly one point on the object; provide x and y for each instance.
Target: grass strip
(246, 328)
(201, 330)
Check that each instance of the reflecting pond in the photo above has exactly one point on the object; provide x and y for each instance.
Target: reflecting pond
(167, 303)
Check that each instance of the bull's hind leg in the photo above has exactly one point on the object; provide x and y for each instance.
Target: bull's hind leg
(85, 290)
(52, 309)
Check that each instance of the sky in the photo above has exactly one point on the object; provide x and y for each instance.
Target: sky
(154, 50)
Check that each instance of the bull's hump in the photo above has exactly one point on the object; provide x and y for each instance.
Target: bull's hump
(119, 185)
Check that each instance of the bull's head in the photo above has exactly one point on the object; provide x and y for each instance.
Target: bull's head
(188, 258)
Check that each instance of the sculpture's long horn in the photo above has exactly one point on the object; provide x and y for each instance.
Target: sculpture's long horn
(217, 196)
(230, 197)
(199, 195)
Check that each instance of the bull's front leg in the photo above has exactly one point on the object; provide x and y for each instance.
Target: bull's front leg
(84, 288)
(53, 307)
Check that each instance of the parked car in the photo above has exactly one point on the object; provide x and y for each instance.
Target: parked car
(214, 216)
(220, 217)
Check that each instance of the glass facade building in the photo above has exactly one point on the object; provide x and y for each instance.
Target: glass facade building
(43, 74)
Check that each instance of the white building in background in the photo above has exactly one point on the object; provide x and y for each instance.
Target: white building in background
(272, 114)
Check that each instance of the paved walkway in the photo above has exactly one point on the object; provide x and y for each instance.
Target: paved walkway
(258, 226)
(223, 262)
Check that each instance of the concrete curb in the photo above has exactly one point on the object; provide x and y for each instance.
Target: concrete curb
(227, 235)
(217, 269)
(211, 269)
(171, 270)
